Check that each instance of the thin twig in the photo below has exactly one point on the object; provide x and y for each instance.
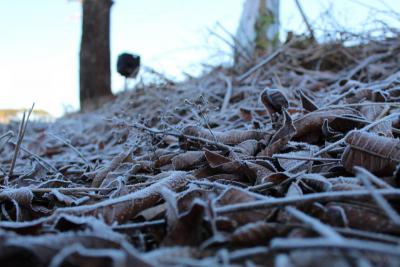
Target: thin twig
(84, 189)
(264, 61)
(281, 156)
(367, 235)
(303, 15)
(140, 225)
(317, 225)
(7, 134)
(340, 97)
(284, 244)
(300, 200)
(366, 62)
(73, 148)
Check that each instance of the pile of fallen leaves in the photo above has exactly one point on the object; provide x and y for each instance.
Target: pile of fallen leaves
(292, 162)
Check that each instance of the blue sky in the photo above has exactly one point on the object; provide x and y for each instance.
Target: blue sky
(39, 41)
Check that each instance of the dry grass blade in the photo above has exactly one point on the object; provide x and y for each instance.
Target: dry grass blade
(20, 137)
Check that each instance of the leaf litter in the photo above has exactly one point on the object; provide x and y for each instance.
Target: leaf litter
(294, 162)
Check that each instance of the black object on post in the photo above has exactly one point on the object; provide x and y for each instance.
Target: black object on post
(128, 65)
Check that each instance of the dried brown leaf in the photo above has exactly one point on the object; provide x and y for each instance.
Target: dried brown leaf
(183, 229)
(311, 124)
(249, 147)
(307, 103)
(274, 100)
(366, 217)
(315, 182)
(281, 137)
(188, 160)
(113, 164)
(370, 151)
(235, 195)
(373, 113)
(257, 233)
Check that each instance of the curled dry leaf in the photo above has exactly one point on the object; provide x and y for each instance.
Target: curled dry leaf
(307, 103)
(288, 160)
(41, 250)
(18, 197)
(366, 217)
(227, 165)
(373, 113)
(345, 184)
(189, 222)
(186, 198)
(249, 147)
(224, 164)
(276, 178)
(164, 160)
(257, 233)
(23, 196)
(188, 160)
(312, 122)
(367, 94)
(281, 137)
(274, 100)
(252, 171)
(315, 182)
(261, 169)
(115, 162)
(235, 195)
(370, 151)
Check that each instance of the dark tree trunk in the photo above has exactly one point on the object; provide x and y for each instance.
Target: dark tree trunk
(95, 75)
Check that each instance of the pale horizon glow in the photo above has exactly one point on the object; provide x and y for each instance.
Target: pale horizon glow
(40, 40)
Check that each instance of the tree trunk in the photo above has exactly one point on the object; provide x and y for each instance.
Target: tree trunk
(95, 74)
(258, 31)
